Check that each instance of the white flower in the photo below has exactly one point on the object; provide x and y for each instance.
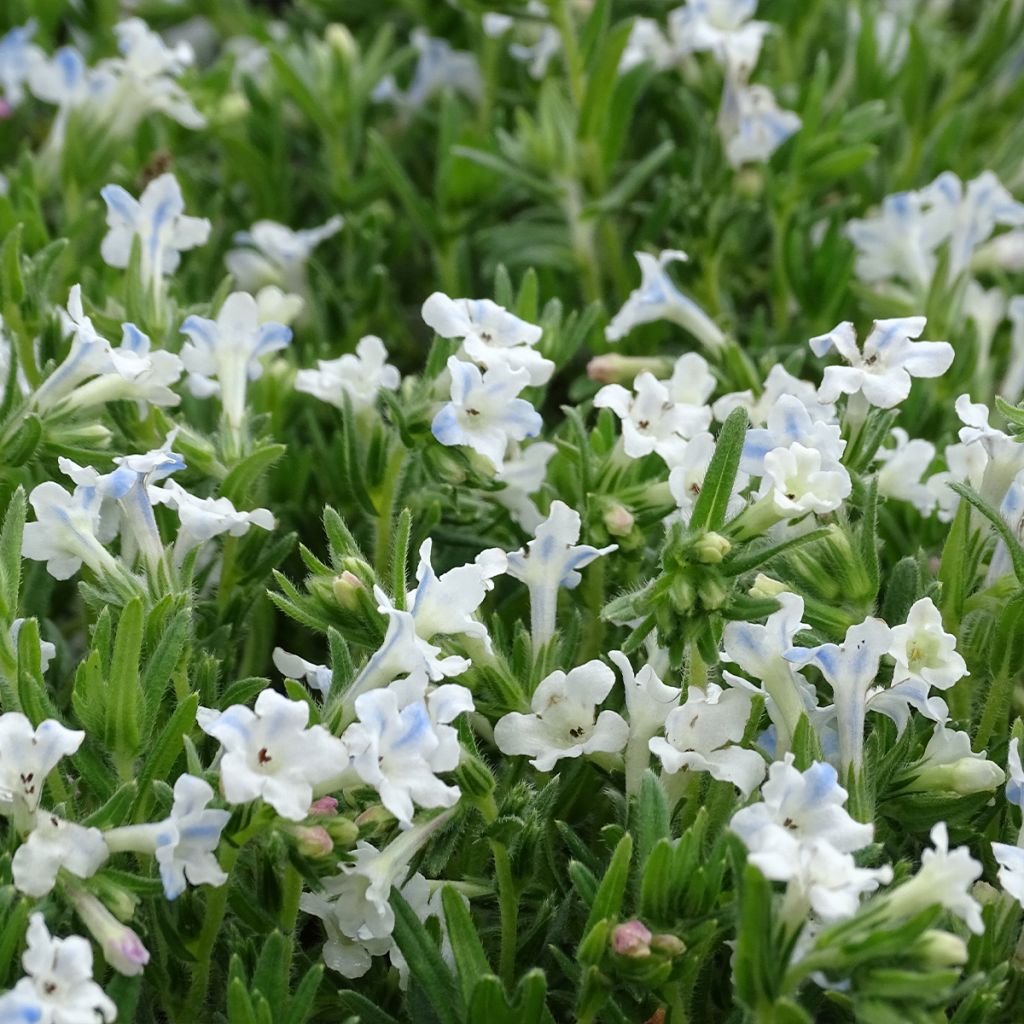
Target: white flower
(270, 754)
(563, 724)
(273, 254)
(721, 27)
(64, 534)
(658, 298)
(789, 421)
(439, 68)
(398, 748)
(797, 808)
(648, 704)
(966, 464)
(294, 667)
(27, 756)
(689, 467)
(355, 906)
(826, 881)
(751, 123)
(490, 334)
(222, 355)
(902, 468)
(986, 309)
(551, 561)
(1015, 784)
(276, 306)
(54, 844)
(646, 43)
(850, 668)
(18, 56)
(651, 420)
(883, 370)
(202, 519)
(523, 474)
(122, 948)
(760, 651)
(779, 382)
(444, 605)
(800, 480)
(703, 734)
(485, 413)
(944, 879)
(360, 376)
(924, 652)
(158, 218)
(1012, 384)
(949, 764)
(425, 901)
(1005, 453)
(184, 844)
(1011, 869)
(58, 987)
(692, 384)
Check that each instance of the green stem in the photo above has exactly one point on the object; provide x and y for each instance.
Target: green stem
(508, 903)
(562, 18)
(676, 1006)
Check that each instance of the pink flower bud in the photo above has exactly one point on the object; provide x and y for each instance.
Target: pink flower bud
(325, 807)
(618, 520)
(312, 840)
(632, 939)
(618, 369)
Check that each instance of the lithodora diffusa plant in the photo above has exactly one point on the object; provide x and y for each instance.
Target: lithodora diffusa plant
(511, 512)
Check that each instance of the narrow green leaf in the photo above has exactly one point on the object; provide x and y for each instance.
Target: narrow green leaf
(470, 958)
(710, 508)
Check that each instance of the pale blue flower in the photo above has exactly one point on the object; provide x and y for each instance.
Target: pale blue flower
(272, 253)
(439, 67)
(752, 124)
(18, 56)
(789, 421)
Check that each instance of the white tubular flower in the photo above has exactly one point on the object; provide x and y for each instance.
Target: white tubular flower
(54, 844)
(65, 532)
(399, 749)
(445, 605)
(966, 464)
(523, 474)
(797, 808)
(360, 376)
(651, 420)
(550, 561)
(439, 68)
(646, 43)
(122, 948)
(546, 44)
(722, 28)
(490, 334)
(355, 905)
(949, 765)
(691, 385)
(273, 254)
(799, 480)
(751, 123)
(58, 986)
(648, 704)
(270, 754)
(1005, 453)
(18, 56)
(703, 734)
(202, 519)
(850, 668)
(424, 899)
(1011, 869)
(924, 652)
(1004, 252)
(779, 382)
(658, 298)
(882, 372)
(902, 468)
(563, 724)
(944, 880)
(787, 422)
(291, 666)
(825, 881)
(760, 651)
(485, 413)
(184, 844)
(222, 355)
(158, 218)
(278, 307)
(27, 756)
(986, 309)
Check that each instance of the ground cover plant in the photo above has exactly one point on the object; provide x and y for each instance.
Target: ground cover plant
(511, 512)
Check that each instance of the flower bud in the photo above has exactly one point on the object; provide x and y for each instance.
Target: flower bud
(939, 949)
(618, 520)
(325, 807)
(474, 778)
(341, 40)
(683, 595)
(750, 182)
(766, 587)
(618, 369)
(343, 831)
(711, 548)
(312, 840)
(122, 948)
(668, 944)
(965, 776)
(632, 939)
(346, 589)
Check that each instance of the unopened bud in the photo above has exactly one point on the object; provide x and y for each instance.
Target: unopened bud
(346, 589)
(632, 939)
(312, 840)
(618, 520)
(325, 807)
(670, 945)
(766, 587)
(941, 949)
(618, 369)
(965, 776)
(474, 778)
(343, 831)
(122, 948)
(750, 182)
(711, 548)
(683, 595)
(341, 40)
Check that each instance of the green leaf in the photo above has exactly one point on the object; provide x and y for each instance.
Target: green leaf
(167, 747)
(125, 699)
(400, 558)
(470, 958)
(238, 484)
(366, 1011)
(709, 511)
(426, 965)
(608, 899)
(10, 556)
